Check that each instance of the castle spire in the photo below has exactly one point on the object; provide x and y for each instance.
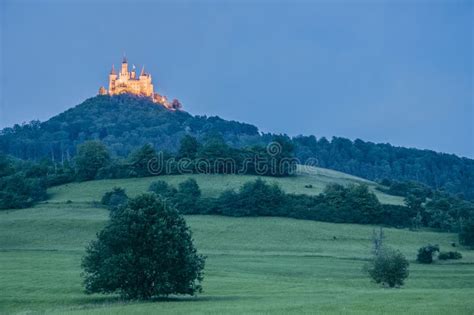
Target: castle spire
(124, 71)
(133, 73)
(113, 70)
(143, 71)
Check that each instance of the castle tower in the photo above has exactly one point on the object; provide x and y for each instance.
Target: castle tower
(112, 80)
(124, 73)
(102, 91)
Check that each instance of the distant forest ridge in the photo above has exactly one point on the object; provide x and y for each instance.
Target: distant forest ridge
(125, 123)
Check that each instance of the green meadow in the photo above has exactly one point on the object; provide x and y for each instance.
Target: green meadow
(213, 185)
(254, 265)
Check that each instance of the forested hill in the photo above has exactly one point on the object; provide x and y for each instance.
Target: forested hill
(383, 161)
(125, 123)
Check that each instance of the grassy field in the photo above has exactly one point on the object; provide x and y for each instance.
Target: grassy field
(261, 265)
(213, 185)
(254, 265)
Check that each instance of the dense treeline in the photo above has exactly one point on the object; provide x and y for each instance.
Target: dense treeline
(23, 183)
(434, 208)
(213, 157)
(125, 123)
(339, 204)
(379, 161)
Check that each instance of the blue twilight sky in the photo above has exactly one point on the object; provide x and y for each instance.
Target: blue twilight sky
(384, 71)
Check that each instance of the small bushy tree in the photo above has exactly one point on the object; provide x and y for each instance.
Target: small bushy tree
(162, 189)
(365, 206)
(188, 196)
(189, 146)
(415, 203)
(425, 254)
(389, 267)
(145, 251)
(449, 255)
(466, 234)
(18, 191)
(91, 156)
(255, 198)
(6, 166)
(140, 161)
(114, 198)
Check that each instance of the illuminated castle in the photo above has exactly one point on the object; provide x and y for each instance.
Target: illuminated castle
(128, 82)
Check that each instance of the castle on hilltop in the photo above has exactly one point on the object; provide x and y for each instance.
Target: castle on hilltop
(131, 83)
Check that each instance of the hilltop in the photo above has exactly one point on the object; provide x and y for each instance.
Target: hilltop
(126, 122)
(122, 122)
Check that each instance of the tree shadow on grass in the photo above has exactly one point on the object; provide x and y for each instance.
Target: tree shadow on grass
(92, 302)
(198, 298)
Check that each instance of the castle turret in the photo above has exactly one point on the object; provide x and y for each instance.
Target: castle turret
(113, 70)
(102, 91)
(124, 73)
(112, 79)
(133, 74)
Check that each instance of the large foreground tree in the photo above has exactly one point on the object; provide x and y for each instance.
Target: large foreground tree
(145, 251)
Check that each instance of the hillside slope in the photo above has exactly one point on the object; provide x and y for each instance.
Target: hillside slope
(213, 185)
(122, 122)
(125, 123)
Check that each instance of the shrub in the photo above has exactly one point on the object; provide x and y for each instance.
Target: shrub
(449, 255)
(229, 204)
(140, 160)
(353, 204)
(18, 191)
(425, 254)
(389, 267)
(466, 234)
(162, 189)
(455, 255)
(397, 216)
(145, 251)
(188, 196)
(366, 207)
(115, 198)
(256, 198)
